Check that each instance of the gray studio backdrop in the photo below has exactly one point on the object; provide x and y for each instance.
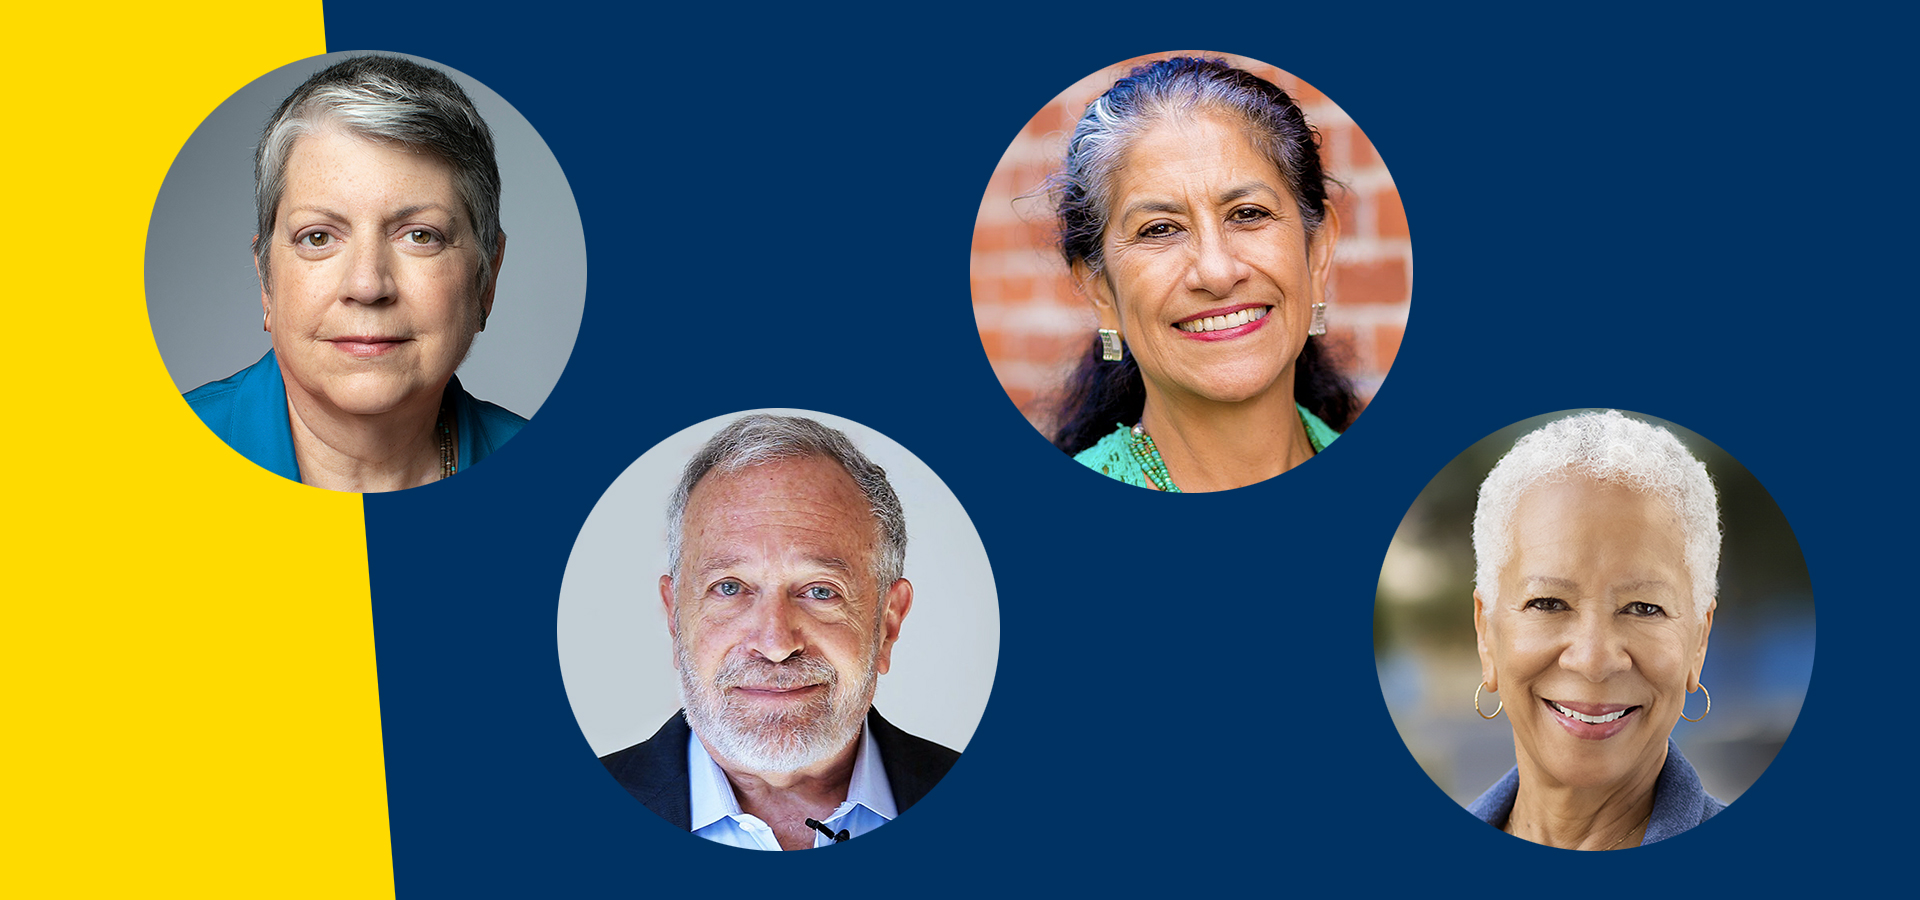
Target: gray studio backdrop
(616, 657)
(204, 301)
(1759, 658)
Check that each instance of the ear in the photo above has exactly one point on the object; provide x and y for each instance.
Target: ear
(666, 603)
(1320, 251)
(266, 301)
(1488, 676)
(486, 296)
(899, 600)
(1700, 653)
(1099, 292)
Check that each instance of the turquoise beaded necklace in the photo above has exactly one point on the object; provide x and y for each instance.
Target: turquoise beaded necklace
(1156, 468)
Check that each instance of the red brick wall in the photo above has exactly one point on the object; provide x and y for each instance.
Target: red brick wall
(1034, 324)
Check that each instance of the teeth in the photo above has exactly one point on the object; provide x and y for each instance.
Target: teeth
(1590, 720)
(1230, 320)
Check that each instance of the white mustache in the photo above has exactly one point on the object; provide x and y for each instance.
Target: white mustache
(794, 672)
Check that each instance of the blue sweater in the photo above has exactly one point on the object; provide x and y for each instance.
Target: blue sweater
(1679, 802)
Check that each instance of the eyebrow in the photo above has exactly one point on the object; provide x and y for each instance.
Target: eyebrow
(1564, 584)
(714, 564)
(401, 213)
(1237, 192)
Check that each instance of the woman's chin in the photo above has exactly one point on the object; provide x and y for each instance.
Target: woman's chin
(364, 395)
(1233, 384)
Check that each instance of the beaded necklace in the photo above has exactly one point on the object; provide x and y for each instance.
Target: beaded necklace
(449, 459)
(1148, 455)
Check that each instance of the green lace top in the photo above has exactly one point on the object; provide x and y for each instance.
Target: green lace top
(1114, 458)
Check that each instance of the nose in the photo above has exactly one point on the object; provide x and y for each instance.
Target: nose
(772, 633)
(369, 276)
(1595, 649)
(1217, 269)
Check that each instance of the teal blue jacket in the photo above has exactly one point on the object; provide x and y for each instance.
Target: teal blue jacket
(248, 410)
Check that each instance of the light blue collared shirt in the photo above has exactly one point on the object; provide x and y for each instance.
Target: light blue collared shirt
(717, 815)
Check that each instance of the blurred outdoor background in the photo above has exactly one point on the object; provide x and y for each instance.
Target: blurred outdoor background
(1033, 322)
(1759, 659)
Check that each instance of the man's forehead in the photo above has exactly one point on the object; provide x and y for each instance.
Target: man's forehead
(805, 493)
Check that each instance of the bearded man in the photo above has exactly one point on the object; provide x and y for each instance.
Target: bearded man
(784, 600)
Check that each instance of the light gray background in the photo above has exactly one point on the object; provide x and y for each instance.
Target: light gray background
(204, 301)
(616, 657)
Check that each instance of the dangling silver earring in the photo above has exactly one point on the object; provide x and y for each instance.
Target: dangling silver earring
(1319, 324)
(1110, 345)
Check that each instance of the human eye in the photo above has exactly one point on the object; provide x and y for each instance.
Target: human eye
(1249, 214)
(1159, 230)
(1547, 604)
(422, 237)
(1643, 610)
(314, 240)
(820, 592)
(728, 588)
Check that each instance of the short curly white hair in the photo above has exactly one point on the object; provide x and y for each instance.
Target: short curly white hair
(1611, 448)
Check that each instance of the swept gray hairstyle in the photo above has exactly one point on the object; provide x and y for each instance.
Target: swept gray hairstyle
(761, 439)
(1607, 447)
(1180, 88)
(386, 99)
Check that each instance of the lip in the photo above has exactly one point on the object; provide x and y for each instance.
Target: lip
(1224, 334)
(367, 346)
(1589, 731)
(776, 693)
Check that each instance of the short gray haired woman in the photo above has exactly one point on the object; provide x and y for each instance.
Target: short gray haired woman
(1597, 547)
(378, 205)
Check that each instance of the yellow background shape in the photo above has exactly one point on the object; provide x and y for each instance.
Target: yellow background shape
(190, 694)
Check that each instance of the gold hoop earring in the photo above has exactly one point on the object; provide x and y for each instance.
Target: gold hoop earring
(1703, 713)
(1476, 703)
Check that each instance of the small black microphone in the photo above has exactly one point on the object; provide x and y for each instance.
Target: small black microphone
(823, 829)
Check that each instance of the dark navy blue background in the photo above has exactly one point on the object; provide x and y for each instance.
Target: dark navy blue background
(1690, 218)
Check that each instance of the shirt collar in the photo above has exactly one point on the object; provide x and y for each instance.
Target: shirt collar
(711, 795)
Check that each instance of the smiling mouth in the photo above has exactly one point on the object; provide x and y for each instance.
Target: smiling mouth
(1221, 323)
(1614, 716)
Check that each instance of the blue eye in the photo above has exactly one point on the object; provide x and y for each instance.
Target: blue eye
(727, 588)
(820, 592)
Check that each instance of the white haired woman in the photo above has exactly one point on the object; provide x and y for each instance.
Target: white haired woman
(1597, 545)
(378, 203)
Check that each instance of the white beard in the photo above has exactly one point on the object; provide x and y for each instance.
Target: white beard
(763, 740)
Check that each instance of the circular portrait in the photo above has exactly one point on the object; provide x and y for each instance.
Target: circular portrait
(340, 237)
(764, 584)
(1594, 630)
(1191, 271)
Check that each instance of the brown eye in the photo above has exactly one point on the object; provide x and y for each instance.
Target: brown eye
(1158, 230)
(314, 239)
(1547, 604)
(422, 236)
(1250, 214)
(1643, 610)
